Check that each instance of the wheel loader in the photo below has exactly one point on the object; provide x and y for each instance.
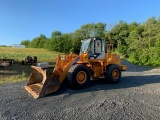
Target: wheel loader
(94, 61)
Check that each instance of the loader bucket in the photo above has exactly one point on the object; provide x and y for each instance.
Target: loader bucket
(42, 82)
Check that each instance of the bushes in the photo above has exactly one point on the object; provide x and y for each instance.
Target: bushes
(139, 43)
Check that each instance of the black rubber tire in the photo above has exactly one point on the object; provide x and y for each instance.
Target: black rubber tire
(11, 62)
(73, 73)
(22, 62)
(111, 78)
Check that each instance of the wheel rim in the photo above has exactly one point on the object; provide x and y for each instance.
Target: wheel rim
(81, 77)
(115, 74)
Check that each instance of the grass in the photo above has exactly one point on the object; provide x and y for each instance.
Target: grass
(20, 53)
(16, 71)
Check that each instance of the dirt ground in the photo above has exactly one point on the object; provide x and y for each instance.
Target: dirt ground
(135, 97)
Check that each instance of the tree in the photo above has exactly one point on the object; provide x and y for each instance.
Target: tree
(76, 41)
(100, 28)
(118, 35)
(26, 43)
(93, 30)
(54, 41)
(65, 42)
(56, 34)
(38, 42)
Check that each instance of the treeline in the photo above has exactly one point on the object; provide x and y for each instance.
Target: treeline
(66, 42)
(137, 42)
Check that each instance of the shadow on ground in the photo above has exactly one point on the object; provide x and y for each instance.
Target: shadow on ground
(101, 84)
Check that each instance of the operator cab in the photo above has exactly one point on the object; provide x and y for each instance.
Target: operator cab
(94, 46)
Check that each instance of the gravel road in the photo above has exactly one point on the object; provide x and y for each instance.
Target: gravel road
(135, 97)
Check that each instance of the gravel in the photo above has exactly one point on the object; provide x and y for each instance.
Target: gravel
(136, 96)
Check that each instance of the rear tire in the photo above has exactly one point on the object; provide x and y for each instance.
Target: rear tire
(22, 62)
(78, 76)
(11, 61)
(113, 74)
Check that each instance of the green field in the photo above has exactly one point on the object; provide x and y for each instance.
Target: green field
(16, 71)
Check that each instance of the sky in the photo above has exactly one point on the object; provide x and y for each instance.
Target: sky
(27, 19)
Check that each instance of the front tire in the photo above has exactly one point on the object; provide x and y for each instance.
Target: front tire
(113, 74)
(78, 76)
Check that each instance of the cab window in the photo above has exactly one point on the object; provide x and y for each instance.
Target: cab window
(98, 46)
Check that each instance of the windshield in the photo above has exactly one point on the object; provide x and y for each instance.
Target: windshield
(85, 44)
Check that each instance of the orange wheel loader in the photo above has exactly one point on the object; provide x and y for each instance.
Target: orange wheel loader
(94, 61)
